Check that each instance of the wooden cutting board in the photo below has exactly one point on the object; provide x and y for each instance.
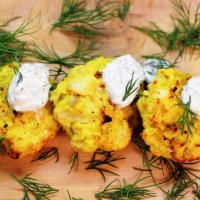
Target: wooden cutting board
(122, 40)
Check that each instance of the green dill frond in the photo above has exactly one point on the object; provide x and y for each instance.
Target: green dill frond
(184, 38)
(74, 162)
(10, 20)
(53, 86)
(196, 192)
(149, 161)
(180, 189)
(157, 34)
(47, 154)
(100, 159)
(186, 120)
(182, 176)
(145, 149)
(122, 12)
(11, 47)
(129, 88)
(58, 72)
(74, 17)
(40, 191)
(82, 54)
(184, 179)
(19, 74)
(181, 171)
(125, 191)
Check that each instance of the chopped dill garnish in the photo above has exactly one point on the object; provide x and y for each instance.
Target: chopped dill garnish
(129, 88)
(47, 154)
(185, 34)
(74, 162)
(74, 17)
(125, 191)
(96, 163)
(186, 120)
(40, 191)
(122, 12)
(17, 72)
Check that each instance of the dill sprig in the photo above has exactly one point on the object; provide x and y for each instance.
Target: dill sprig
(185, 34)
(58, 72)
(47, 154)
(74, 162)
(108, 158)
(129, 88)
(197, 192)
(162, 62)
(149, 164)
(10, 20)
(183, 177)
(82, 54)
(53, 86)
(158, 35)
(17, 72)
(11, 47)
(178, 190)
(186, 120)
(125, 191)
(74, 17)
(180, 171)
(40, 191)
(143, 148)
(122, 12)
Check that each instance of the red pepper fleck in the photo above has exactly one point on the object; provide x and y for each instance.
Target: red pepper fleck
(98, 74)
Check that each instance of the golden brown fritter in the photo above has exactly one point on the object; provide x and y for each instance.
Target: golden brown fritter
(83, 108)
(160, 112)
(24, 133)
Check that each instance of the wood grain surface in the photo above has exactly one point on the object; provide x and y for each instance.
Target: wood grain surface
(122, 40)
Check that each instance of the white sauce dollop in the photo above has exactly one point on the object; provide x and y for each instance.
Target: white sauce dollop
(30, 91)
(192, 89)
(151, 67)
(116, 76)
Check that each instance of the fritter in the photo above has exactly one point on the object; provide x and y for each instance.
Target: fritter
(24, 133)
(160, 112)
(83, 108)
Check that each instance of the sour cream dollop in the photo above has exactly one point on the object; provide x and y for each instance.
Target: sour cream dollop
(29, 88)
(151, 67)
(192, 89)
(116, 76)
